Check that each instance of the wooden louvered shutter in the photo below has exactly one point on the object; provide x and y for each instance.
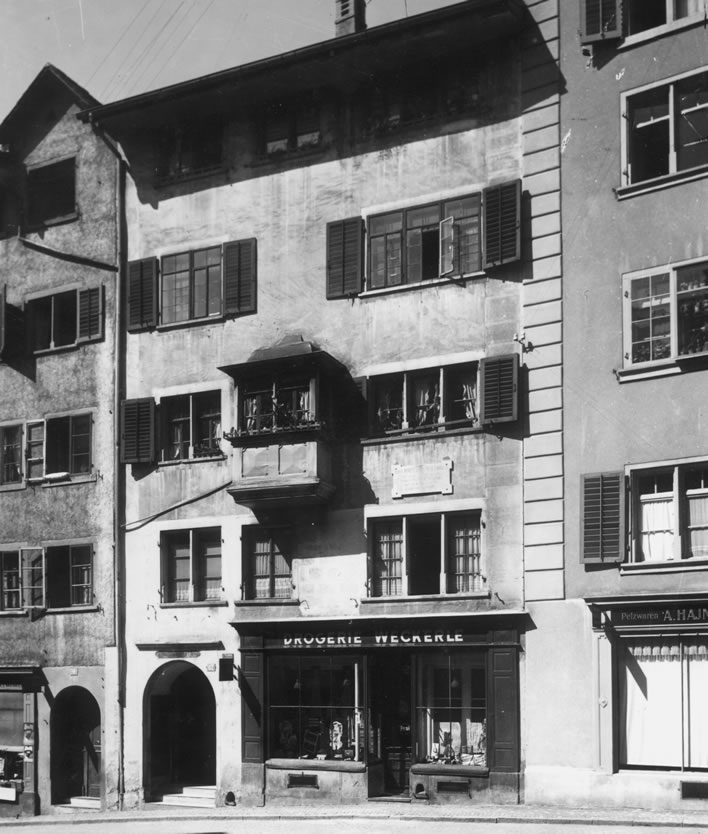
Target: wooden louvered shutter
(90, 314)
(502, 224)
(345, 239)
(600, 20)
(499, 389)
(142, 294)
(3, 317)
(250, 679)
(602, 522)
(240, 270)
(138, 431)
(504, 703)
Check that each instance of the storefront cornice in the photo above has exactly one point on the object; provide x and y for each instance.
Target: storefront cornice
(177, 646)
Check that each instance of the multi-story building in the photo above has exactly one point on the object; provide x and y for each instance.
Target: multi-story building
(59, 253)
(632, 639)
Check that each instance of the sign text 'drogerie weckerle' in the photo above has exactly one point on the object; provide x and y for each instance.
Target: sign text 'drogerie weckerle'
(405, 637)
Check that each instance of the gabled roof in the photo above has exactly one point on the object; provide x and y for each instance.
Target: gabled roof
(49, 79)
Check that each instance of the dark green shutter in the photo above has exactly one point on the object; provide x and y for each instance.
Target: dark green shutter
(240, 270)
(345, 240)
(600, 20)
(142, 294)
(90, 314)
(603, 518)
(138, 430)
(250, 680)
(502, 224)
(499, 389)
(504, 710)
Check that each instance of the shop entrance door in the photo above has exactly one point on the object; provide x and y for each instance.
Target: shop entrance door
(389, 683)
(75, 746)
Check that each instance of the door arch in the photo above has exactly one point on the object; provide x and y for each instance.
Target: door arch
(75, 745)
(179, 712)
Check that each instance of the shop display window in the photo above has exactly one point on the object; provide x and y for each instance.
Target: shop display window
(11, 735)
(452, 710)
(314, 708)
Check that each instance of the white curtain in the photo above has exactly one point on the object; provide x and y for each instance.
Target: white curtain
(650, 687)
(698, 526)
(657, 529)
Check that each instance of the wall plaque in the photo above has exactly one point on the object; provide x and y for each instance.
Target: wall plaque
(422, 478)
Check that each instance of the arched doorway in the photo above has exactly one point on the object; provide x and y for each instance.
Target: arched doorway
(75, 738)
(180, 730)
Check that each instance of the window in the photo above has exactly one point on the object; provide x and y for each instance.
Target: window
(191, 565)
(59, 446)
(66, 318)
(450, 397)
(452, 710)
(289, 127)
(51, 192)
(272, 404)
(266, 568)
(666, 313)
(663, 683)
(312, 707)
(10, 455)
(190, 149)
(605, 19)
(192, 426)
(53, 577)
(10, 575)
(454, 237)
(197, 285)
(667, 129)
(417, 555)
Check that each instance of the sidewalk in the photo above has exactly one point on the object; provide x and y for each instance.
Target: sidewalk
(384, 810)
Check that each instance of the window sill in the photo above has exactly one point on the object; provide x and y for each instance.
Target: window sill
(189, 461)
(14, 612)
(659, 183)
(51, 221)
(248, 603)
(188, 176)
(269, 437)
(420, 285)
(346, 765)
(74, 609)
(664, 367)
(174, 325)
(13, 487)
(485, 594)
(71, 480)
(660, 31)
(263, 160)
(674, 566)
(414, 435)
(212, 603)
(438, 768)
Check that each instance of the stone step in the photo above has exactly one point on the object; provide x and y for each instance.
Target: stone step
(80, 804)
(192, 796)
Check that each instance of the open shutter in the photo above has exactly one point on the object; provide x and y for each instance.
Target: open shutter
(600, 20)
(90, 314)
(603, 518)
(447, 245)
(138, 431)
(3, 316)
(240, 268)
(502, 224)
(499, 389)
(33, 593)
(142, 294)
(250, 680)
(345, 239)
(504, 703)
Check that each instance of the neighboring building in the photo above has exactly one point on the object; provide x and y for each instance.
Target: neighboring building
(342, 411)
(631, 643)
(59, 201)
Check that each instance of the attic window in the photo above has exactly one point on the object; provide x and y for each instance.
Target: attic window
(51, 193)
(190, 149)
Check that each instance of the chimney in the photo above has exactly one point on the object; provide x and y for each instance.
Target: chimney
(350, 17)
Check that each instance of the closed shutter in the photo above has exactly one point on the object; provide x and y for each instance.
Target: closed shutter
(250, 680)
(138, 431)
(3, 316)
(240, 269)
(504, 709)
(90, 314)
(345, 239)
(502, 224)
(499, 389)
(600, 20)
(603, 518)
(142, 294)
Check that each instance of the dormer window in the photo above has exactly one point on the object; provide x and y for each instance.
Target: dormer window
(291, 127)
(190, 149)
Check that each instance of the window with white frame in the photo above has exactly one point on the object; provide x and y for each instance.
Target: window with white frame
(643, 15)
(64, 319)
(666, 313)
(191, 565)
(426, 554)
(602, 20)
(59, 446)
(192, 426)
(267, 570)
(666, 128)
(10, 454)
(54, 577)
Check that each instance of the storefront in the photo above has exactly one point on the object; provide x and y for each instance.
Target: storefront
(18, 711)
(660, 663)
(343, 711)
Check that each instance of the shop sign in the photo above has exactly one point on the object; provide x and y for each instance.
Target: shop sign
(422, 478)
(675, 615)
(348, 640)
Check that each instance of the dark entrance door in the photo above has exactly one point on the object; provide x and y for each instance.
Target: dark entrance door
(389, 683)
(181, 724)
(75, 746)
